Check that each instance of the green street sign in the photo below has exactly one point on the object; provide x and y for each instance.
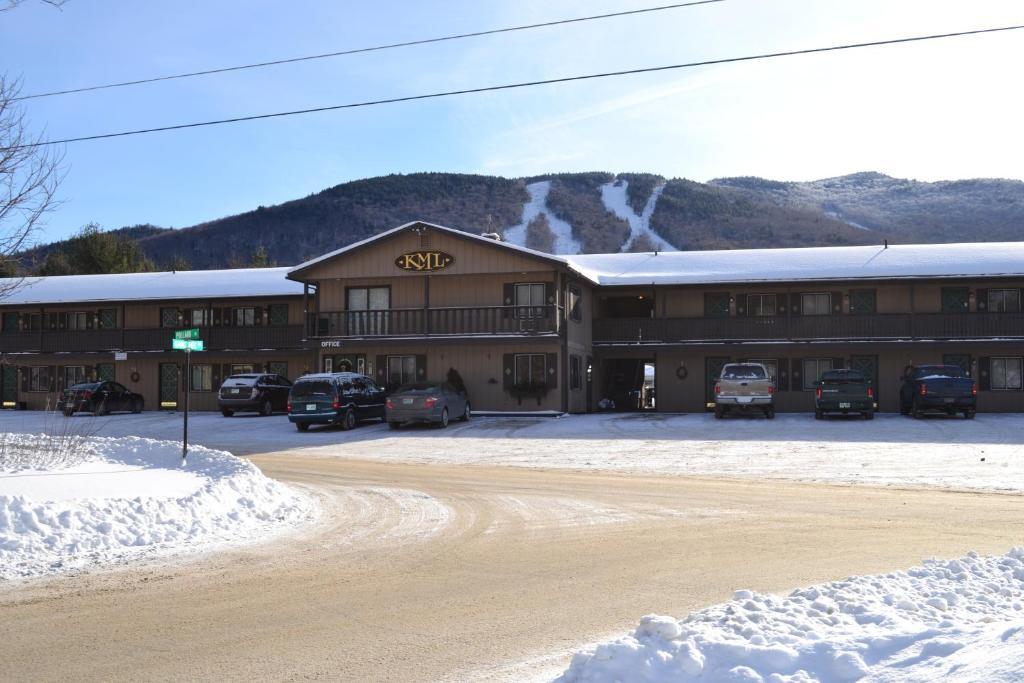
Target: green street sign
(187, 334)
(187, 344)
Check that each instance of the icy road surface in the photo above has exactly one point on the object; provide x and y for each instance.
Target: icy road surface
(891, 450)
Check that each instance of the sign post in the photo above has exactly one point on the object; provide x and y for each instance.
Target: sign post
(187, 341)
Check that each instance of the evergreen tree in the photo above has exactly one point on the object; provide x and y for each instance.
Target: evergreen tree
(261, 258)
(94, 252)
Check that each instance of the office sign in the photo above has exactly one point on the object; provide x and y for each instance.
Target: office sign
(424, 261)
(330, 344)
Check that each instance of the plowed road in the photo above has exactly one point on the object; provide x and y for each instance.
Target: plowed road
(427, 572)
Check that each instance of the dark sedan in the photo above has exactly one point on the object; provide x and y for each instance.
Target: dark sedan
(99, 398)
(938, 388)
(431, 402)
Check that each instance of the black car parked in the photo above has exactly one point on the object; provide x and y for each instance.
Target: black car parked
(938, 388)
(255, 392)
(341, 398)
(99, 398)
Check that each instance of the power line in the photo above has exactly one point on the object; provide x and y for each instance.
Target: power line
(511, 86)
(390, 46)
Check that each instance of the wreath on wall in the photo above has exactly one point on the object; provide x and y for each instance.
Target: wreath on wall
(682, 372)
(135, 377)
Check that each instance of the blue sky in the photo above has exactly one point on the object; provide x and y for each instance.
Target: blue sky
(944, 110)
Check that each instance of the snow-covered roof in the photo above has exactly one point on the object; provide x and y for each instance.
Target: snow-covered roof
(991, 259)
(181, 284)
(440, 228)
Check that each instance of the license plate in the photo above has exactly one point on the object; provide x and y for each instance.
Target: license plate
(744, 399)
(844, 405)
(949, 400)
(310, 406)
(407, 401)
(236, 391)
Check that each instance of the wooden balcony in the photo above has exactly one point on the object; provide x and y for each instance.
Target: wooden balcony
(436, 322)
(151, 339)
(885, 326)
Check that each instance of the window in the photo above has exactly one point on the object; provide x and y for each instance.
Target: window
(575, 372)
(35, 322)
(960, 360)
(278, 314)
(168, 317)
(716, 305)
(771, 365)
(1006, 374)
(244, 317)
(202, 377)
(530, 299)
(1004, 300)
(39, 378)
(367, 308)
(813, 367)
(954, 299)
(401, 369)
(575, 303)
(242, 369)
(761, 305)
(10, 322)
(107, 318)
(105, 372)
(816, 304)
(77, 321)
(531, 369)
(863, 301)
(278, 368)
(74, 374)
(202, 317)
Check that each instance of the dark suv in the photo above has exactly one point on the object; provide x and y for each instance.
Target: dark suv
(262, 393)
(341, 398)
(99, 398)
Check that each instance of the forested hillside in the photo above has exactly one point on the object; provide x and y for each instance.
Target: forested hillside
(602, 211)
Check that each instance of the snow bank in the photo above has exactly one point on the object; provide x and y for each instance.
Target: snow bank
(115, 499)
(956, 620)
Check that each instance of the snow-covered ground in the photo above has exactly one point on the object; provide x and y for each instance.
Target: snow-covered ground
(615, 199)
(892, 450)
(68, 502)
(565, 243)
(957, 620)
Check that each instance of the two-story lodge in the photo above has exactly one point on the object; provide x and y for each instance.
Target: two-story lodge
(529, 331)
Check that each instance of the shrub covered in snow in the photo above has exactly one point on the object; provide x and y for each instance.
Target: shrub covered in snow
(112, 499)
(946, 620)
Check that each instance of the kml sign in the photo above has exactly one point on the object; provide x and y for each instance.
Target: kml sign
(424, 261)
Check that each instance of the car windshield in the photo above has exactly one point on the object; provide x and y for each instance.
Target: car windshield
(240, 380)
(743, 372)
(312, 388)
(418, 388)
(90, 386)
(927, 371)
(843, 378)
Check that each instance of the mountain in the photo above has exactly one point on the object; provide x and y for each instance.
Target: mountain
(601, 212)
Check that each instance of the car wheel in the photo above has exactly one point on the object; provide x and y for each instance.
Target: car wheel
(915, 410)
(819, 415)
(969, 414)
(467, 413)
(302, 426)
(869, 415)
(348, 420)
(770, 413)
(719, 413)
(137, 406)
(267, 409)
(226, 413)
(444, 417)
(101, 409)
(394, 425)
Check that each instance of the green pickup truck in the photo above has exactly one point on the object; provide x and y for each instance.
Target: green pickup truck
(844, 391)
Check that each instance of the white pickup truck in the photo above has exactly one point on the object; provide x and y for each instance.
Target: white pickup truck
(744, 387)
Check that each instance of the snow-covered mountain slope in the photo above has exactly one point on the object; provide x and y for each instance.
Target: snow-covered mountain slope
(615, 199)
(564, 242)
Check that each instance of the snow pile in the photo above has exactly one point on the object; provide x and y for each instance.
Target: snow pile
(956, 620)
(114, 499)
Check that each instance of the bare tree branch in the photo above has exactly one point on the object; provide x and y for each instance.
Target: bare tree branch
(8, 5)
(29, 177)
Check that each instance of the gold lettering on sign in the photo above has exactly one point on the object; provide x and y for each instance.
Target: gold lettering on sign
(424, 261)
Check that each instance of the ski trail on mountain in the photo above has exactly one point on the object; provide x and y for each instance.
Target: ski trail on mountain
(565, 243)
(615, 199)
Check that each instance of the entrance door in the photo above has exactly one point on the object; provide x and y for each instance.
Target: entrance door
(869, 366)
(9, 384)
(712, 369)
(169, 386)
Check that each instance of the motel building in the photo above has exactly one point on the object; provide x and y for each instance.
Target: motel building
(529, 331)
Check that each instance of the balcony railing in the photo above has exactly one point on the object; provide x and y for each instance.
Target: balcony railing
(878, 326)
(456, 321)
(151, 339)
